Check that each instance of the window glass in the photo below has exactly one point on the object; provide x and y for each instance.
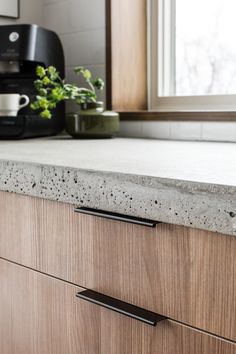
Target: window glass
(205, 47)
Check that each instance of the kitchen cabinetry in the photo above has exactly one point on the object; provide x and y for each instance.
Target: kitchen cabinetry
(41, 315)
(49, 253)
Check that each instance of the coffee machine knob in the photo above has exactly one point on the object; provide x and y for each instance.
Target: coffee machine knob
(14, 36)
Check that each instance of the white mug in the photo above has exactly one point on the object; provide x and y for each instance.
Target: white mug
(10, 104)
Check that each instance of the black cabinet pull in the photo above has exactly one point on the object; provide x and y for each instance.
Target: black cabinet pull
(119, 306)
(115, 216)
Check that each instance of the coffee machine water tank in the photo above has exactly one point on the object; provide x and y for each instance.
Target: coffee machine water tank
(22, 48)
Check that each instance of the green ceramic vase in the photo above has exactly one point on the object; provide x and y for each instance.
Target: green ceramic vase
(92, 122)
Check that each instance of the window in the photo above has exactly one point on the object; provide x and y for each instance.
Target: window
(192, 55)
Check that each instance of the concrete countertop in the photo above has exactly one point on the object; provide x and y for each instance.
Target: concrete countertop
(185, 183)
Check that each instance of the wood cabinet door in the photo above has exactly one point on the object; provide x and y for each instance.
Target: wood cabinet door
(41, 315)
(183, 273)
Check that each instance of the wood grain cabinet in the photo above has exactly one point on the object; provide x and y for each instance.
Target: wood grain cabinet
(184, 274)
(41, 315)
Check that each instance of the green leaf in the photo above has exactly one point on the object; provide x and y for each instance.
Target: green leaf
(40, 71)
(52, 70)
(99, 84)
(87, 74)
(34, 106)
(58, 94)
(52, 105)
(52, 89)
(46, 114)
(43, 92)
(53, 73)
(78, 69)
(43, 103)
(38, 84)
(46, 81)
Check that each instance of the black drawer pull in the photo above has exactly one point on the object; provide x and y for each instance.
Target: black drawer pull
(119, 217)
(124, 308)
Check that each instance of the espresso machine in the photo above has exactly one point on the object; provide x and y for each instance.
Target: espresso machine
(22, 48)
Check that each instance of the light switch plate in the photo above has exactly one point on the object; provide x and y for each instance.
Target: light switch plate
(9, 8)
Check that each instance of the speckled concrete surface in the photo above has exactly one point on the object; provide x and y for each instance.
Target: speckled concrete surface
(185, 183)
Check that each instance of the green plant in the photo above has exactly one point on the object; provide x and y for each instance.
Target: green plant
(52, 89)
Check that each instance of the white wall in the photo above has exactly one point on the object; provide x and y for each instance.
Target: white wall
(81, 27)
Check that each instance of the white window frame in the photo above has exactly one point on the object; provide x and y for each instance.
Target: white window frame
(161, 49)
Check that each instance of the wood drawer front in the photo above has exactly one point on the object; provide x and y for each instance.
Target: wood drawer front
(41, 315)
(182, 273)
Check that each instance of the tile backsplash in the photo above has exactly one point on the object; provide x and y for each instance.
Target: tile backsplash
(206, 131)
(81, 27)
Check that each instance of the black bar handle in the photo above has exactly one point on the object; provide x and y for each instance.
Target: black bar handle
(119, 306)
(115, 216)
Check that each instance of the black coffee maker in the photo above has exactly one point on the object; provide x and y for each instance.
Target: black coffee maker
(22, 48)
